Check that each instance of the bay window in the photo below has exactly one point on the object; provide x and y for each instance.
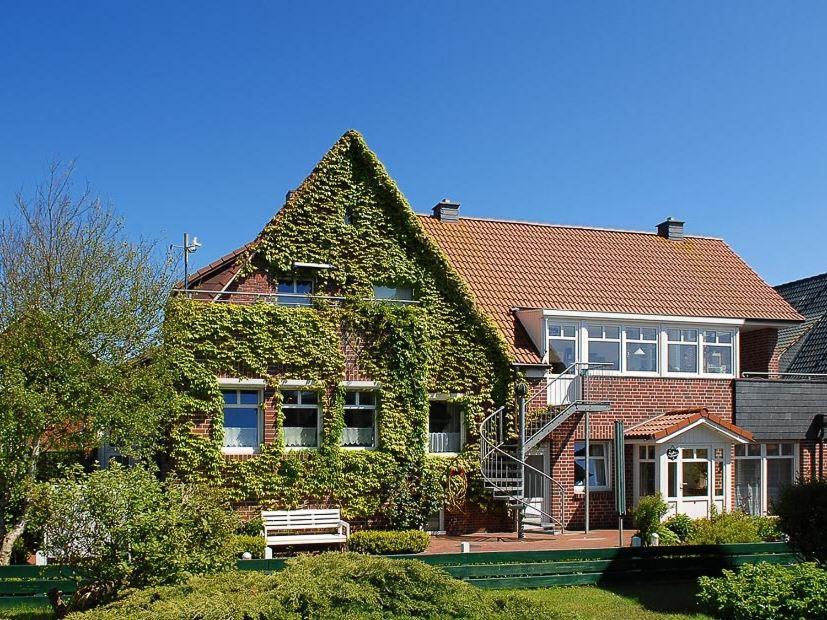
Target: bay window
(604, 346)
(242, 420)
(360, 420)
(641, 349)
(682, 350)
(562, 346)
(596, 464)
(300, 409)
(717, 354)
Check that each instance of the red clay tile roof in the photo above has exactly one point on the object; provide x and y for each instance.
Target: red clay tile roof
(510, 264)
(671, 422)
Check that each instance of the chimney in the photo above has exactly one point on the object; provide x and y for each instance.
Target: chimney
(446, 210)
(671, 229)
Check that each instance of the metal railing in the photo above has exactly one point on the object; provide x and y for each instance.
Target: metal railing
(284, 299)
(780, 376)
(503, 472)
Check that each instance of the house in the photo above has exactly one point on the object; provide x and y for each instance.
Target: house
(445, 369)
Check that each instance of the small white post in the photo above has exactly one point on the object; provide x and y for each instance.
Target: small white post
(465, 547)
(268, 553)
(40, 559)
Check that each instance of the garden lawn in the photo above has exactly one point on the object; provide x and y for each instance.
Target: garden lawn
(651, 601)
(25, 608)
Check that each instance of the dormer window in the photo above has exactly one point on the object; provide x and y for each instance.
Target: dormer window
(294, 292)
(393, 293)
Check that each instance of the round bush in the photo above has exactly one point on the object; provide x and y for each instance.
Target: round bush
(767, 592)
(323, 587)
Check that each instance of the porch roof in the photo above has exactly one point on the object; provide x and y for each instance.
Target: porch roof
(666, 425)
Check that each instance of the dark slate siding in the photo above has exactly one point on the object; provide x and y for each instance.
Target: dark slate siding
(779, 409)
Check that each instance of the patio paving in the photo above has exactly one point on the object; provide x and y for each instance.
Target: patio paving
(507, 541)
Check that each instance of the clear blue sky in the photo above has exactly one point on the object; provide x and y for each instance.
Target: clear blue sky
(199, 116)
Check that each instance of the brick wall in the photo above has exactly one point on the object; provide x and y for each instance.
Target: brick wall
(473, 519)
(811, 458)
(759, 352)
(632, 400)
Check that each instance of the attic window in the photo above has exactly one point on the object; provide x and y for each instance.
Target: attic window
(294, 292)
(394, 293)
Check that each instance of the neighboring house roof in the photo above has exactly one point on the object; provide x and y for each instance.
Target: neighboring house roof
(510, 264)
(804, 347)
(667, 424)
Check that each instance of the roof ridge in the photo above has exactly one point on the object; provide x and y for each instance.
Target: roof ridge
(800, 280)
(573, 226)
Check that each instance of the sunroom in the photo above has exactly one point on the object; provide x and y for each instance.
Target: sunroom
(687, 456)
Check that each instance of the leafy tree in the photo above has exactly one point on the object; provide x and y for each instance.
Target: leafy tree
(122, 527)
(80, 311)
(802, 515)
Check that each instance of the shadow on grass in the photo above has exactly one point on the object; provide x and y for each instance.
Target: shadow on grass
(673, 597)
(25, 608)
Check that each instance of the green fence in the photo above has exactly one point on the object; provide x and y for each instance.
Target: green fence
(503, 569)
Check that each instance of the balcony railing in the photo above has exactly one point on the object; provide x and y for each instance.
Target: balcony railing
(282, 299)
(789, 376)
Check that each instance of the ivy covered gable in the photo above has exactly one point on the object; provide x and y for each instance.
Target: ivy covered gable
(344, 231)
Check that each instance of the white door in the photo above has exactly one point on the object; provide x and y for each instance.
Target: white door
(536, 486)
(695, 487)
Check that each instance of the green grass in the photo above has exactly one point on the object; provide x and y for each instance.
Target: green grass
(25, 608)
(650, 601)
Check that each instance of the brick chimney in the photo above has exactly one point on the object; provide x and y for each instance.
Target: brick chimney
(446, 210)
(671, 229)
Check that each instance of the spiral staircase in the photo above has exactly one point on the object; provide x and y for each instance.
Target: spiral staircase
(506, 442)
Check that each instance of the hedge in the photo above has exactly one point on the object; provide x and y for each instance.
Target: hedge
(379, 542)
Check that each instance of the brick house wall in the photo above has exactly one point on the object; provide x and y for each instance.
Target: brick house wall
(759, 352)
(633, 400)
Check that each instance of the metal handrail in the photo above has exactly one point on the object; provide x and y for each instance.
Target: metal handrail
(493, 467)
(311, 296)
(810, 376)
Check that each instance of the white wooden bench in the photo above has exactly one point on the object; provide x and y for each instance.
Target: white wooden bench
(322, 526)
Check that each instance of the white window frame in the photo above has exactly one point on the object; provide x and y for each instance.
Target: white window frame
(441, 531)
(607, 460)
(293, 387)
(626, 342)
(449, 400)
(242, 385)
(764, 457)
(581, 345)
(587, 337)
(293, 298)
(730, 345)
(360, 407)
(575, 339)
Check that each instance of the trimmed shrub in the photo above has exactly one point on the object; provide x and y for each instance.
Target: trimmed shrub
(680, 525)
(648, 514)
(767, 592)
(725, 528)
(768, 529)
(239, 543)
(378, 542)
(327, 586)
(802, 513)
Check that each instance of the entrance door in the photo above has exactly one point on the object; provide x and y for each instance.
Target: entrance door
(695, 488)
(536, 487)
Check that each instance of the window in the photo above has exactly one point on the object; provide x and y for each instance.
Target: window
(436, 522)
(301, 418)
(597, 465)
(646, 471)
(641, 349)
(360, 420)
(393, 293)
(562, 346)
(695, 472)
(242, 413)
(717, 352)
(348, 217)
(293, 292)
(444, 427)
(756, 463)
(604, 346)
(682, 350)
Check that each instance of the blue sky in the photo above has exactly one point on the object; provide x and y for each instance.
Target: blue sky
(199, 116)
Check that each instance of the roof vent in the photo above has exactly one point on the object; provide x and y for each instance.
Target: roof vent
(446, 210)
(671, 229)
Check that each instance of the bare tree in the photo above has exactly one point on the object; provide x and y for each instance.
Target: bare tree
(80, 307)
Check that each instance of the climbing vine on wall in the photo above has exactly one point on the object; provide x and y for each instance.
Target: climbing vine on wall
(440, 344)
